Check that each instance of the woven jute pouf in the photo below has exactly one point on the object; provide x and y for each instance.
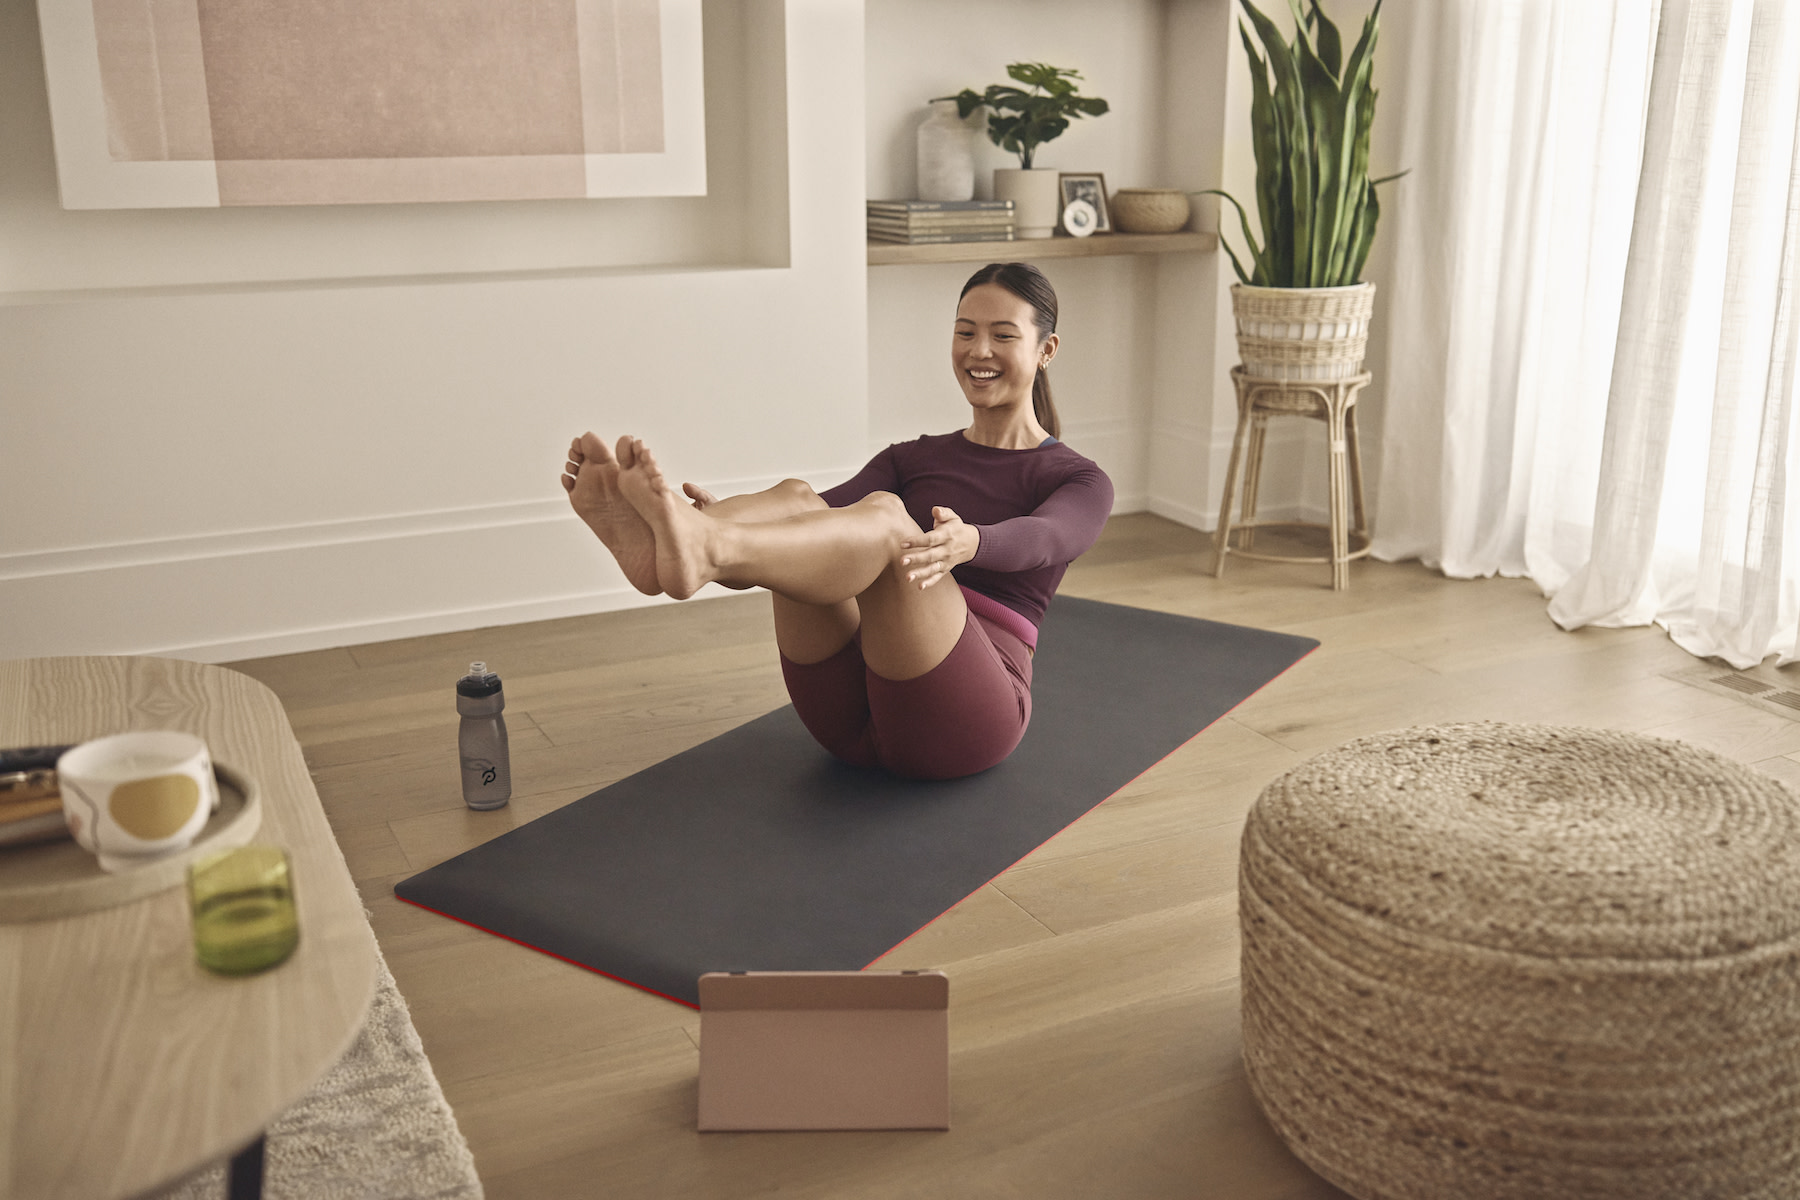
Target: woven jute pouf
(1504, 961)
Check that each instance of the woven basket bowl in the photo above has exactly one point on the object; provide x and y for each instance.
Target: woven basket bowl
(1149, 210)
(1302, 333)
(1506, 961)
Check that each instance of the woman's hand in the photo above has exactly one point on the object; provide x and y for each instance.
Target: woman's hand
(931, 555)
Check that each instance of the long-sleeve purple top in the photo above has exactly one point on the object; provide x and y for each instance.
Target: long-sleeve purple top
(1036, 510)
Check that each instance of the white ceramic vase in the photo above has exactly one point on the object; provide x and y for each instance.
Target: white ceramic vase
(1037, 203)
(946, 158)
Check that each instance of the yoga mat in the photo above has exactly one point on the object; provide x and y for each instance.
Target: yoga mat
(758, 851)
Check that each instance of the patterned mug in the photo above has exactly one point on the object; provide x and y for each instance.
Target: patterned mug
(135, 796)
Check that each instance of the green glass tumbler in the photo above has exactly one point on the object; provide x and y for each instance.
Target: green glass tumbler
(243, 908)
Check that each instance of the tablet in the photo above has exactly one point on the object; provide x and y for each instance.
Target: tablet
(824, 1050)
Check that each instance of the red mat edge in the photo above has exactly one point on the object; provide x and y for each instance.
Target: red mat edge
(553, 954)
(921, 929)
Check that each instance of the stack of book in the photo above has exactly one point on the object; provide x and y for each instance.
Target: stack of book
(918, 222)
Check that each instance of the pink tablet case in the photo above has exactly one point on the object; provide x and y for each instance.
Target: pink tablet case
(825, 1050)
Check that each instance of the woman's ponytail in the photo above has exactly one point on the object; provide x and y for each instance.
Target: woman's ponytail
(1042, 405)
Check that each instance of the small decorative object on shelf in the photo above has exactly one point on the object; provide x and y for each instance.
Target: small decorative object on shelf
(946, 159)
(1020, 121)
(1079, 218)
(921, 222)
(1150, 210)
(1090, 187)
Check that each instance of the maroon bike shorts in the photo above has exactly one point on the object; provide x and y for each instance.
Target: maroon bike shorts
(962, 716)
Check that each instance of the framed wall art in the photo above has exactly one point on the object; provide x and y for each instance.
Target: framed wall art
(205, 103)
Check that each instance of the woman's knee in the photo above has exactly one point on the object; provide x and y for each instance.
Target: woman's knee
(891, 509)
(800, 494)
(889, 513)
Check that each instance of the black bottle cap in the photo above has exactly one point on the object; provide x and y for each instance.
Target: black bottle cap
(478, 682)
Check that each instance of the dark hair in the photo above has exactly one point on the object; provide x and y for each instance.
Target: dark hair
(1028, 284)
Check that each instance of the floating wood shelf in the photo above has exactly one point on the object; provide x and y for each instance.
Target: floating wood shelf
(890, 253)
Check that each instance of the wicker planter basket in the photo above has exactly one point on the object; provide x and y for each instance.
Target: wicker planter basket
(1302, 333)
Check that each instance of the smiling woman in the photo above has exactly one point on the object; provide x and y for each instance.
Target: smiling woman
(885, 668)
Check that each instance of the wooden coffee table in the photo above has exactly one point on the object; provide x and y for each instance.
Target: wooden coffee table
(124, 1065)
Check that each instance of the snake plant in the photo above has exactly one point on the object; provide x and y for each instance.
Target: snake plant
(1310, 114)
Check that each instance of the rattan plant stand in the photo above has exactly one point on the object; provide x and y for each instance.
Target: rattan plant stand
(1510, 961)
(1332, 401)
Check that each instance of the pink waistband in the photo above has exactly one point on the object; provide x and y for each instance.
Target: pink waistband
(990, 609)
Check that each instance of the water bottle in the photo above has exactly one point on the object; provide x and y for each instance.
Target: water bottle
(486, 770)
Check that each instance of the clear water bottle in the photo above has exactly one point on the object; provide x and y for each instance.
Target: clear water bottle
(486, 768)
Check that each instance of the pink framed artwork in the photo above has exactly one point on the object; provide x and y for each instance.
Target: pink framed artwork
(206, 103)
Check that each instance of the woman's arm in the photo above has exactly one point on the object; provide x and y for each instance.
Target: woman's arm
(1058, 531)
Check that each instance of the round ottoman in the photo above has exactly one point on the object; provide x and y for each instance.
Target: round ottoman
(1517, 960)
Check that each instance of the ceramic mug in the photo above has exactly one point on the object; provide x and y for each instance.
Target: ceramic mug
(136, 796)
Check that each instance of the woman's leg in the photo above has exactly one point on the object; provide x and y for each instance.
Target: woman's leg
(840, 568)
(788, 498)
(591, 477)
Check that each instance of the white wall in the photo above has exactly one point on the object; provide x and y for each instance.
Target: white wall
(1194, 414)
(1106, 376)
(1142, 379)
(236, 432)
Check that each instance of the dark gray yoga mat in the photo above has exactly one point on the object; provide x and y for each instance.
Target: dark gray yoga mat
(758, 851)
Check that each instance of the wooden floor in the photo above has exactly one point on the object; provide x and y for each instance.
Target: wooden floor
(1094, 1025)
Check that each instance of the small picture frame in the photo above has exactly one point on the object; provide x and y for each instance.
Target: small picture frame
(1089, 186)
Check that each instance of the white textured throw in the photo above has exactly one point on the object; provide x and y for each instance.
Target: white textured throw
(376, 1127)
(1525, 961)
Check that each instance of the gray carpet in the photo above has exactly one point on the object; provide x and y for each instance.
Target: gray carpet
(376, 1127)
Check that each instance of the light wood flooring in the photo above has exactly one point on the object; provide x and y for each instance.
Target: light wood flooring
(1094, 1025)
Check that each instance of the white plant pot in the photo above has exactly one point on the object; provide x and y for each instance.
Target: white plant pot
(1302, 333)
(1037, 203)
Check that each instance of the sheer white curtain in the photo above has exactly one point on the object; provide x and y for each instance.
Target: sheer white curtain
(1591, 343)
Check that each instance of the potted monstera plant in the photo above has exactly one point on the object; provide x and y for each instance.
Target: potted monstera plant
(1020, 121)
(1301, 305)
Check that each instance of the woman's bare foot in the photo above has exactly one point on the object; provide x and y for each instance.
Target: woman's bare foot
(591, 477)
(685, 559)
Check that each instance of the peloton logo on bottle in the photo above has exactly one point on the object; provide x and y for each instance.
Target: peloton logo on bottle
(489, 772)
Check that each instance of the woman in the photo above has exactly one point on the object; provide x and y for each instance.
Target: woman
(885, 667)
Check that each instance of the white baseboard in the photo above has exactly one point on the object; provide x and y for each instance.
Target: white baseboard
(1193, 518)
(254, 593)
(1183, 514)
(325, 637)
(83, 559)
(1187, 473)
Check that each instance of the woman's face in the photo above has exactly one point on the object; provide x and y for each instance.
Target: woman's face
(995, 350)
